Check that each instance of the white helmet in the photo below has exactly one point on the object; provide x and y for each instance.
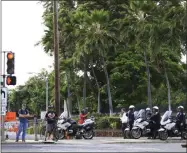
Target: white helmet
(181, 107)
(131, 106)
(148, 109)
(155, 107)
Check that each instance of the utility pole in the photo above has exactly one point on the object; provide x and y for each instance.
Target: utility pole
(56, 56)
(46, 81)
(186, 44)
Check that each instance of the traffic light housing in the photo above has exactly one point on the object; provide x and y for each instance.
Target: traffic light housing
(10, 63)
(11, 80)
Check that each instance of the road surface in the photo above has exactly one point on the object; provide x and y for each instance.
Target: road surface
(92, 146)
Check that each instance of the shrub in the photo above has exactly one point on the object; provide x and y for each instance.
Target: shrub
(115, 122)
(103, 123)
(30, 130)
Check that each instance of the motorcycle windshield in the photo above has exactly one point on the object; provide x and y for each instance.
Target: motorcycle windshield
(141, 114)
(166, 116)
(136, 115)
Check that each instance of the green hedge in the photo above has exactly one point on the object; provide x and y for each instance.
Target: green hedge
(30, 130)
(108, 123)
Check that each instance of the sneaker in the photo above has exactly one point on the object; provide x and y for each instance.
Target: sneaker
(23, 140)
(16, 140)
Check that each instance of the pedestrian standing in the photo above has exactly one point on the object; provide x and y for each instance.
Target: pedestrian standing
(123, 119)
(51, 118)
(23, 119)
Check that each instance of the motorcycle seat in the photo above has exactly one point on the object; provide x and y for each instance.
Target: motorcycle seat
(80, 125)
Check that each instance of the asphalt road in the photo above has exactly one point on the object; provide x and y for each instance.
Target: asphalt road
(93, 146)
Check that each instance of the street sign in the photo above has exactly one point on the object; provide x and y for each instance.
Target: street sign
(3, 113)
(3, 109)
(4, 100)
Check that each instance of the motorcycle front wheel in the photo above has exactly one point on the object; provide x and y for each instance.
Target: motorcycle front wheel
(127, 134)
(88, 134)
(61, 134)
(136, 133)
(184, 135)
(163, 135)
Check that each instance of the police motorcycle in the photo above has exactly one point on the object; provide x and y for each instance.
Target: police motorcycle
(168, 127)
(71, 128)
(127, 132)
(141, 125)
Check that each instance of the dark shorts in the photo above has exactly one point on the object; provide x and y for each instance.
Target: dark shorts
(50, 127)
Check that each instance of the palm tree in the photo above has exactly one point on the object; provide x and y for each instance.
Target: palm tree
(94, 37)
(139, 26)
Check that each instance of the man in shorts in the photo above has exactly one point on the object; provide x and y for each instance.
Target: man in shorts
(51, 118)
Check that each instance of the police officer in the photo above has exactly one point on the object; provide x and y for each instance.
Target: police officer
(155, 125)
(148, 113)
(130, 116)
(180, 123)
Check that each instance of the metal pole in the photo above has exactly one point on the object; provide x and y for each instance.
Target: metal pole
(56, 57)
(2, 116)
(35, 129)
(46, 93)
(186, 45)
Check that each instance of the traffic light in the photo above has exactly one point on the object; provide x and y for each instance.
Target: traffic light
(10, 63)
(11, 80)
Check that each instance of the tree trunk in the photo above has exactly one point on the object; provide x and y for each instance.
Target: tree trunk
(98, 89)
(84, 88)
(108, 87)
(168, 87)
(148, 81)
(69, 101)
(78, 101)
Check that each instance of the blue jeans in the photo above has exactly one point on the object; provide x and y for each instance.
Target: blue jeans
(21, 128)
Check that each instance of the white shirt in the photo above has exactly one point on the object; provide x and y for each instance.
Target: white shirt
(124, 118)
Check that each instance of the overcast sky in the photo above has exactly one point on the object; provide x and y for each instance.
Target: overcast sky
(21, 29)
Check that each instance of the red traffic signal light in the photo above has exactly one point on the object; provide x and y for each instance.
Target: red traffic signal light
(10, 56)
(10, 63)
(11, 80)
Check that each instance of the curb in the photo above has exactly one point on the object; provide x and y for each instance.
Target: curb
(184, 145)
(102, 142)
(120, 142)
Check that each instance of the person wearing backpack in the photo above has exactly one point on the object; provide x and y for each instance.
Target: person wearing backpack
(23, 114)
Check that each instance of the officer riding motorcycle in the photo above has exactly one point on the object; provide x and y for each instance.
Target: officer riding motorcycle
(180, 120)
(155, 122)
(130, 116)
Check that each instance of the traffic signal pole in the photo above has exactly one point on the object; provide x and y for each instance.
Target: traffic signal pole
(2, 116)
(10, 55)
